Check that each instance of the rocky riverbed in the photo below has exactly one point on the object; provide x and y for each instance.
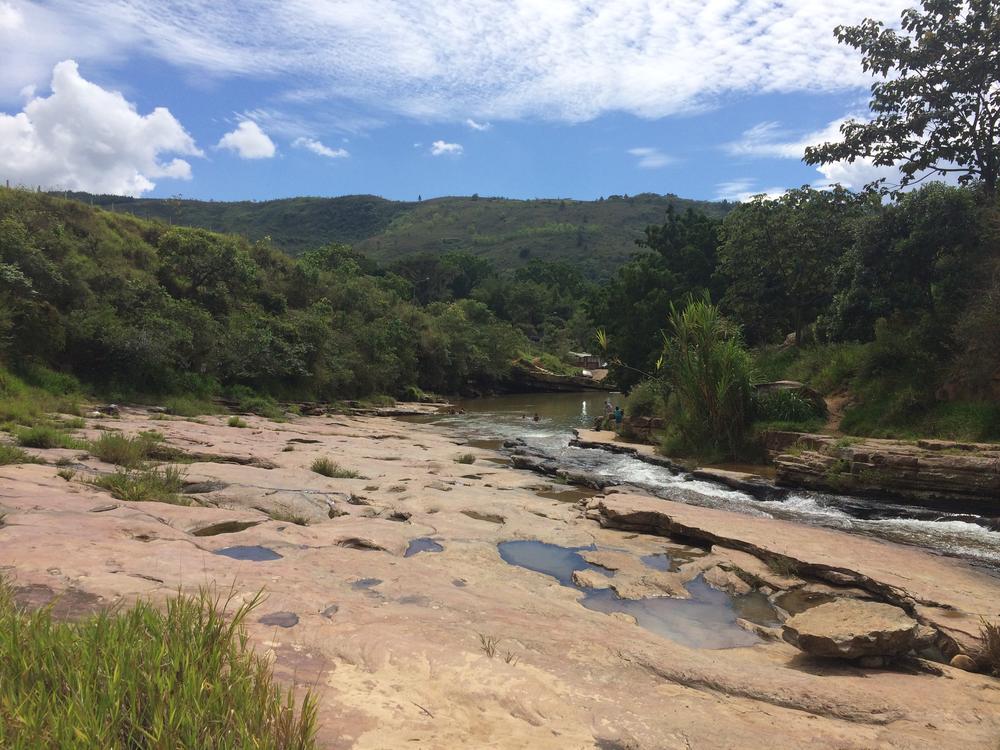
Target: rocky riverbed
(439, 603)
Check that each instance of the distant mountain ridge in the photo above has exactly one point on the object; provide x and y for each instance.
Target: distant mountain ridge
(597, 236)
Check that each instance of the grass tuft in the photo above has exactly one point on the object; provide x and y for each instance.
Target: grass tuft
(10, 454)
(144, 485)
(66, 474)
(988, 658)
(466, 458)
(44, 436)
(235, 421)
(142, 678)
(331, 469)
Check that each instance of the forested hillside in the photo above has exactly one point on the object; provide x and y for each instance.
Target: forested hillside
(595, 236)
(135, 307)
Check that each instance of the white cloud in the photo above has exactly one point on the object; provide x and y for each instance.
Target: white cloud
(84, 137)
(248, 141)
(567, 60)
(743, 190)
(770, 140)
(317, 147)
(11, 19)
(442, 148)
(651, 158)
(481, 126)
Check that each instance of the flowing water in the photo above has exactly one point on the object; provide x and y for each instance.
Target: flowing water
(961, 534)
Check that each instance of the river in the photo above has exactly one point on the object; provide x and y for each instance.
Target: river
(485, 420)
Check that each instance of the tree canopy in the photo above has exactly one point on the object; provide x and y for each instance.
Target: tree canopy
(937, 111)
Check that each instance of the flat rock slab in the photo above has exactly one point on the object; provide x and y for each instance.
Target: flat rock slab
(948, 594)
(852, 629)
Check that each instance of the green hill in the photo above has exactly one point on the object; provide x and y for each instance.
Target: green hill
(596, 236)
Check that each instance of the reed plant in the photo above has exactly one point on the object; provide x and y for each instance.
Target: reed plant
(143, 678)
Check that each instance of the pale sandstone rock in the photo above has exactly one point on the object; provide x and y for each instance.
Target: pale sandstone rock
(398, 663)
(852, 629)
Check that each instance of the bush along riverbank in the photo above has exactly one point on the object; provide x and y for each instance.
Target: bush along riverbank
(707, 406)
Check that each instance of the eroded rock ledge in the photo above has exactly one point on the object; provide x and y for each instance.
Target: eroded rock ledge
(925, 471)
(946, 594)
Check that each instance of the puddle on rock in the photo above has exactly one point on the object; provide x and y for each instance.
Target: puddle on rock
(280, 619)
(568, 496)
(661, 561)
(706, 620)
(550, 559)
(490, 445)
(797, 601)
(363, 584)
(254, 553)
(423, 544)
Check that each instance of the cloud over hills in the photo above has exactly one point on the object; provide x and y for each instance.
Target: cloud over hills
(84, 137)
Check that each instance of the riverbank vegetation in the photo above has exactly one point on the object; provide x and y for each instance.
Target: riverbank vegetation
(143, 678)
(886, 302)
(130, 309)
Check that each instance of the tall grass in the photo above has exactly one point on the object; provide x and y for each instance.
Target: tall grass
(144, 485)
(709, 375)
(142, 678)
(44, 436)
(10, 454)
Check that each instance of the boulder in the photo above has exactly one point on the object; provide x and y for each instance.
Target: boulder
(853, 629)
(963, 661)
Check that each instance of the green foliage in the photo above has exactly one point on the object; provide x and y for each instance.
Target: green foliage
(595, 236)
(145, 485)
(777, 258)
(633, 304)
(44, 436)
(123, 450)
(936, 107)
(186, 406)
(119, 302)
(235, 421)
(142, 678)
(10, 454)
(647, 399)
(785, 406)
(466, 458)
(709, 375)
(329, 468)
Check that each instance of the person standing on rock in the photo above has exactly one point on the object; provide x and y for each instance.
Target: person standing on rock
(619, 416)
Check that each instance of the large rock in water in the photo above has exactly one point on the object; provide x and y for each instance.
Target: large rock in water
(853, 629)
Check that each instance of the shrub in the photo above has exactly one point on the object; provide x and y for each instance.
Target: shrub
(142, 678)
(10, 454)
(413, 393)
(144, 485)
(783, 406)
(120, 449)
(466, 458)
(235, 421)
(186, 406)
(331, 469)
(43, 436)
(709, 374)
(646, 400)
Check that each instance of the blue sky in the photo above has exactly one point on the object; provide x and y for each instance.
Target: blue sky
(521, 98)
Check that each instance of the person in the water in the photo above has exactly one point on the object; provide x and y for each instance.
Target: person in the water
(535, 418)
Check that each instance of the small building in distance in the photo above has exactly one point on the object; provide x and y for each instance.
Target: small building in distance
(586, 361)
